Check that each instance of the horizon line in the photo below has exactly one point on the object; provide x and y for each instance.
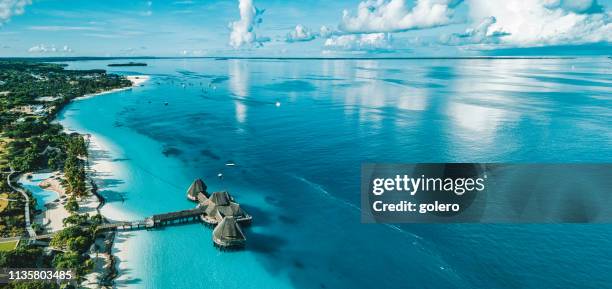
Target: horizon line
(80, 58)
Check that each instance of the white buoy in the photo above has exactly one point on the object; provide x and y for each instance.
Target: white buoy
(278, 104)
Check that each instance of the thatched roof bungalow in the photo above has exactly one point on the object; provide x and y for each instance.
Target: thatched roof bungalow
(228, 234)
(221, 198)
(202, 198)
(215, 213)
(198, 186)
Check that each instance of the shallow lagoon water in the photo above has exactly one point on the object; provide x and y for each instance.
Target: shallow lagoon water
(298, 131)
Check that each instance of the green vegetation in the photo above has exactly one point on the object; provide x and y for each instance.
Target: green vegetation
(23, 257)
(4, 142)
(26, 257)
(72, 205)
(75, 241)
(8, 246)
(12, 220)
(128, 64)
(4, 201)
(34, 285)
(74, 166)
(31, 94)
(71, 238)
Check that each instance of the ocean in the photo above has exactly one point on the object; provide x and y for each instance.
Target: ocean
(298, 132)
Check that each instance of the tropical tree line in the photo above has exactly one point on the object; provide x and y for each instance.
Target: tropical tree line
(74, 166)
(31, 141)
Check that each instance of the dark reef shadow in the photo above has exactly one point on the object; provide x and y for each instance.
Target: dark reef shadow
(260, 218)
(264, 243)
(171, 151)
(210, 154)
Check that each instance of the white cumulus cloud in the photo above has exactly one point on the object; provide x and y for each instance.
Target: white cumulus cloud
(243, 31)
(375, 16)
(480, 34)
(42, 48)
(364, 42)
(577, 6)
(527, 23)
(8, 8)
(300, 34)
(325, 31)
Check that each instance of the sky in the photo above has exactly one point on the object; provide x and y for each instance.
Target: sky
(313, 28)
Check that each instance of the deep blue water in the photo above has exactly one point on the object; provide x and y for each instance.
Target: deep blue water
(299, 130)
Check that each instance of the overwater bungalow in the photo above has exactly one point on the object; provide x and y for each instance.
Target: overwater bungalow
(221, 198)
(202, 198)
(228, 234)
(198, 186)
(215, 213)
(222, 204)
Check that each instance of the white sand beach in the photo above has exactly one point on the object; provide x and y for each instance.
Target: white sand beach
(99, 168)
(106, 167)
(101, 261)
(137, 80)
(54, 212)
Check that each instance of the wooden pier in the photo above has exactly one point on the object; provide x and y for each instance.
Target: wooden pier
(224, 214)
(159, 220)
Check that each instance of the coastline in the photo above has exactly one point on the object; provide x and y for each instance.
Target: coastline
(265, 150)
(54, 212)
(105, 263)
(137, 80)
(107, 269)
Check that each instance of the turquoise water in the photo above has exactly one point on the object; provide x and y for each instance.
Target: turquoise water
(42, 196)
(299, 130)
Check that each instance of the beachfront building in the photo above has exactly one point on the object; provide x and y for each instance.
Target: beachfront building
(35, 110)
(197, 187)
(228, 235)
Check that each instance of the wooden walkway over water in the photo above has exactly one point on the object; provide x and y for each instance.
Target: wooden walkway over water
(155, 221)
(159, 220)
(221, 207)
